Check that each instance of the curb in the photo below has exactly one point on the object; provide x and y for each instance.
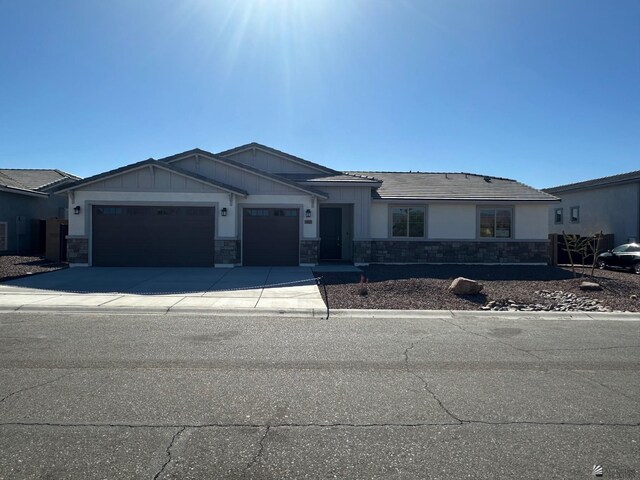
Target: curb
(334, 314)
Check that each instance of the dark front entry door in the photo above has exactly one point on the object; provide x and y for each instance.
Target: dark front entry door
(331, 233)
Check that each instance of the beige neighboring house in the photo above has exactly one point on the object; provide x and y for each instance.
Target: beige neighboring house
(257, 206)
(607, 204)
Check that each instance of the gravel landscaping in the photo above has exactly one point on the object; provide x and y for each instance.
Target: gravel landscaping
(16, 266)
(528, 288)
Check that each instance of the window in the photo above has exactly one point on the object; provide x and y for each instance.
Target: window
(407, 222)
(557, 215)
(496, 222)
(575, 214)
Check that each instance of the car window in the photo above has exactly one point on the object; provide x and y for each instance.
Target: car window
(620, 249)
(633, 248)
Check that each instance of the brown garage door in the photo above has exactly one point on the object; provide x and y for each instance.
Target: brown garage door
(270, 236)
(136, 236)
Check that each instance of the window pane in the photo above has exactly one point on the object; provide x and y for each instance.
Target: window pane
(503, 223)
(399, 222)
(558, 218)
(575, 214)
(416, 222)
(487, 223)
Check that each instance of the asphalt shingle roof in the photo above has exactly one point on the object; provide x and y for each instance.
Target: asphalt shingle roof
(452, 186)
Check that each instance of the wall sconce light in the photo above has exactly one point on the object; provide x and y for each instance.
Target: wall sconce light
(307, 213)
(223, 212)
(76, 210)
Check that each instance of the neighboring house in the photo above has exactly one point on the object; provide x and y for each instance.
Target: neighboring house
(608, 204)
(254, 205)
(26, 200)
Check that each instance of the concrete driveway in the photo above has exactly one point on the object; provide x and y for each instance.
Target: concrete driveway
(164, 289)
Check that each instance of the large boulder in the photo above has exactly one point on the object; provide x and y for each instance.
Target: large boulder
(465, 286)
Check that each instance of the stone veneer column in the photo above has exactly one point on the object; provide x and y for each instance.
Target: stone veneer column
(362, 251)
(77, 250)
(227, 252)
(309, 250)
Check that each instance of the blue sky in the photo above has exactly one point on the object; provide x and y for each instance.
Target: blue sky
(546, 92)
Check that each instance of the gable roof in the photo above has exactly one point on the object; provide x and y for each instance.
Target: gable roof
(33, 181)
(597, 182)
(155, 164)
(452, 186)
(280, 153)
(246, 168)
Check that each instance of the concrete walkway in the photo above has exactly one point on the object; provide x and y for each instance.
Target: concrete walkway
(152, 290)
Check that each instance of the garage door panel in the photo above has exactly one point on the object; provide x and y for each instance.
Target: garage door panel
(153, 236)
(270, 237)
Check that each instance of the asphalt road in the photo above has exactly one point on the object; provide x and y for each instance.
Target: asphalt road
(169, 396)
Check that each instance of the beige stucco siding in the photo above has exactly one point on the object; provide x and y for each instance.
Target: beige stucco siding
(531, 222)
(449, 221)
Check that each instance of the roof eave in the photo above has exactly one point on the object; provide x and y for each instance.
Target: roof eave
(20, 191)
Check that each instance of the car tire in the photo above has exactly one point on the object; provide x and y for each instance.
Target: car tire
(602, 264)
(636, 268)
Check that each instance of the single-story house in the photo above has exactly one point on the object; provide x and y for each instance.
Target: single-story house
(610, 205)
(26, 200)
(254, 205)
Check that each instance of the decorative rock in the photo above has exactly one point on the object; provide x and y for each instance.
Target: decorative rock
(590, 286)
(465, 286)
(633, 297)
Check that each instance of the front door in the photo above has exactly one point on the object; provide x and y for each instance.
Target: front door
(331, 233)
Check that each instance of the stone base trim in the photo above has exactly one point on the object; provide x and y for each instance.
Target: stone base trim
(465, 252)
(227, 253)
(309, 250)
(78, 250)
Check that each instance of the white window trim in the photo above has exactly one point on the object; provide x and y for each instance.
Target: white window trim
(407, 237)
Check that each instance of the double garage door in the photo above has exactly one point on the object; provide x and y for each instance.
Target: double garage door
(180, 236)
(153, 236)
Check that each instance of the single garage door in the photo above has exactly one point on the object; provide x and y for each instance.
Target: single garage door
(270, 236)
(146, 236)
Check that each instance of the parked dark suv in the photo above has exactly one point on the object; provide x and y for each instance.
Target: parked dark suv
(625, 256)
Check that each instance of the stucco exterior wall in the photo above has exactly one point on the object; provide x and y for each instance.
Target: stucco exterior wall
(614, 209)
(531, 222)
(449, 221)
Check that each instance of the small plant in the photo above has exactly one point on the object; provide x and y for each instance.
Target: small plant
(363, 288)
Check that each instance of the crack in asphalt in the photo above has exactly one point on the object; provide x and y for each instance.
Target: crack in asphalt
(258, 454)
(317, 425)
(425, 383)
(168, 461)
(35, 386)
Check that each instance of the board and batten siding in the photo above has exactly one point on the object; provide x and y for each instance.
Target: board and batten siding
(216, 170)
(269, 162)
(360, 197)
(148, 179)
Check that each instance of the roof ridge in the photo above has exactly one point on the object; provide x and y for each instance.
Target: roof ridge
(350, 172)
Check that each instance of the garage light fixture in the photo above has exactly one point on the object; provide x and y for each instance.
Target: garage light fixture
(307, 213)
(223, 212)
(76, 210)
